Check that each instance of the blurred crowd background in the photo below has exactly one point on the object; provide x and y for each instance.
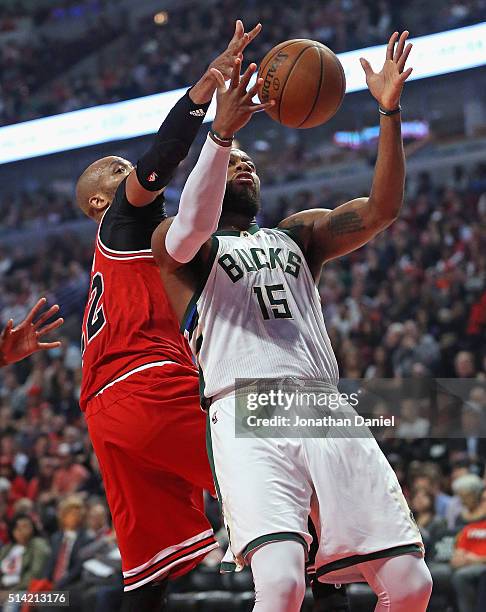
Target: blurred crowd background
(408, 308)
(172, 49)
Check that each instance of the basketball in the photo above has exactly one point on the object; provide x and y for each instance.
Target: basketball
(306, 80)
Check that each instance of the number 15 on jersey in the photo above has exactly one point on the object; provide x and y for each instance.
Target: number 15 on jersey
(273, 302)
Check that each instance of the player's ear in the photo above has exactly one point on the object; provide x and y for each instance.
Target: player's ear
(97, 202)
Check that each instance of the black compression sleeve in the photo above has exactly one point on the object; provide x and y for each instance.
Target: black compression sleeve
(171, 144)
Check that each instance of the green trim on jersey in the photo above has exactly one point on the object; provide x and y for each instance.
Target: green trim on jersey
(225, 567)
(253, 229)
(396, 551)
(188, 317)
(199, 342)
(203, 400)
(209, 448)
(292, 235)
(274, 537)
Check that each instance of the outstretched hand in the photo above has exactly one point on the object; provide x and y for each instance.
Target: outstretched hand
(19, 342)
(386, 86)
(225, 62)
(235, 105)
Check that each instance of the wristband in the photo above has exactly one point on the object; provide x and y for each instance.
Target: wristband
(221, 140)
(389, 113)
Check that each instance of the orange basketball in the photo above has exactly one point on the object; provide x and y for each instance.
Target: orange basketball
(306, 80)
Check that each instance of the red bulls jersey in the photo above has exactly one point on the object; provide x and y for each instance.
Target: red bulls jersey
(128, 323)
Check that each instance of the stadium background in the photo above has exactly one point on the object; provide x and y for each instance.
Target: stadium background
(412, 304)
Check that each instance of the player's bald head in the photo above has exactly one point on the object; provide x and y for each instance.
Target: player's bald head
(97, 185)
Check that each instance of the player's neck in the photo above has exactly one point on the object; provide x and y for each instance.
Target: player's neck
(235, 221)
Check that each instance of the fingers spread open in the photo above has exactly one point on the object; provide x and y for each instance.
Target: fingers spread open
(48, 328)
(45, 316)
(220, 84)
(400, 46)
(403, 59)
(239, 31)
(253, 33)
(391, 45)
(235, 75)
(43, 346)
(236, 43)
(404, 76)
(255, 108)
(366, 66)
(7, 329)
(245, 79)
(252, 92)
(35, 310)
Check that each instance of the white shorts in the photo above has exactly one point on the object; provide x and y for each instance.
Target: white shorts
(268, 488)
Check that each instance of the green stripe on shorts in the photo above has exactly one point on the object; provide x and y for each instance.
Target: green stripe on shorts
(280, 536)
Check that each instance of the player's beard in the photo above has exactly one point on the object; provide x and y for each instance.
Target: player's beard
(242, 199)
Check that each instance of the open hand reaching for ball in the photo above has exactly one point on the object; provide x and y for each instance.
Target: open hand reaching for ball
(235, 104)
(386, 86)
(225, 62)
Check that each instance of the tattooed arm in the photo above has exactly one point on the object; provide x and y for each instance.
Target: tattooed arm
(326, 234)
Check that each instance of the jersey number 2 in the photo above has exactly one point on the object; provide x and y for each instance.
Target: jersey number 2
(277, 306)
(96, 317)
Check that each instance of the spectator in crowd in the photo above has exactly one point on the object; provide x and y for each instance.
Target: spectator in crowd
(481, 593)
(432, 527)
(464, 365)
(40, 488)
(70, 475)
(97, 524)
(472, 441)
(430, 479)
(22, 560)
(469, 558)
(40, 450)
(411, 424)
(427, 271)
(17, 484)
(101, 578)
(64, 565)
(156, 54)
(469, 488)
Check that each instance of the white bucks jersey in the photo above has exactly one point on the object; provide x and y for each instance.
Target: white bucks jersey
(257, 314)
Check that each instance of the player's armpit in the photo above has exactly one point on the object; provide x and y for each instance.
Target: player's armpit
(299, 227)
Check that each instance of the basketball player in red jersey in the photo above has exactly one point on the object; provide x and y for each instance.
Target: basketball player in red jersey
(140, 389)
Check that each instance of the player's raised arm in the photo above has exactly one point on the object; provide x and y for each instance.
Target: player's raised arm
(329, 234)
(178, 131)
(176, 241)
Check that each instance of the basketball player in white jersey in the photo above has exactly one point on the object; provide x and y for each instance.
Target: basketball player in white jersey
(247, 301)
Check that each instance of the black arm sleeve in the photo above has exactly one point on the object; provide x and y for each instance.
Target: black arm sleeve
(129, 228)
(171, 144)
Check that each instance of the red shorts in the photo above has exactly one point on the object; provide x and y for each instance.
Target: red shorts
(148, 432)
